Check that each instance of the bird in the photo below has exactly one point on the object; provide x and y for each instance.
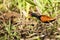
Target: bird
(43, 18)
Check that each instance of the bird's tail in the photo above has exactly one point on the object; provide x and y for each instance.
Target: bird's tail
(53, 19)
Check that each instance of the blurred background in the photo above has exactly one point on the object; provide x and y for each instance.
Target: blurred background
(17, 24)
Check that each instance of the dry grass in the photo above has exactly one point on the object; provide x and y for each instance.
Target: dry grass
(18, 25)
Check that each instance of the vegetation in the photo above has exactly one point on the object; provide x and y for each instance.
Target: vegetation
(17, 24)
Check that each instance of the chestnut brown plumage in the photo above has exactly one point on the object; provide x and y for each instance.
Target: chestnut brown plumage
(43, 18)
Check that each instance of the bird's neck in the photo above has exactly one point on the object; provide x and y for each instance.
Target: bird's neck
(38, 17)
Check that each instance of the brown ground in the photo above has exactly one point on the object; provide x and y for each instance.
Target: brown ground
(28, 28)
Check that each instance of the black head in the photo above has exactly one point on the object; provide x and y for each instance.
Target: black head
(35, 15)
